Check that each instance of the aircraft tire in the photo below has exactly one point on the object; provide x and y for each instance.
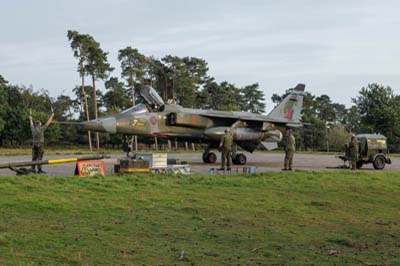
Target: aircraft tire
(205, 157)
(209, 157)
(240, 159)
(212, 157)
(234, 161)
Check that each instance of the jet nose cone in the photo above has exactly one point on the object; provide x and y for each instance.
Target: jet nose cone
(107, 124)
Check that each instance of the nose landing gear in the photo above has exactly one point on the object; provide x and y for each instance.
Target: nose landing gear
(209, 157)
(239, 159)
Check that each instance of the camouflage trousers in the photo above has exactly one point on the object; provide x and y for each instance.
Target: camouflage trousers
(37, 154)
(226, 157)
(288, 163)
(353, 162)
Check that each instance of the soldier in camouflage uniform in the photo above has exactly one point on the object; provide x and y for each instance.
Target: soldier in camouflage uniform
(352, 152)
(225, 146)
(38, 140)
(289, 150)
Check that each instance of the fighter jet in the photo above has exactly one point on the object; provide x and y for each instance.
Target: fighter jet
(171, 121)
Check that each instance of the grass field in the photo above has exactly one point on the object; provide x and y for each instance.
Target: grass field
(280, 218)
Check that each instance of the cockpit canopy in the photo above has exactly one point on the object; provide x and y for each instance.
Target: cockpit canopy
(137, 109)
(151, 96)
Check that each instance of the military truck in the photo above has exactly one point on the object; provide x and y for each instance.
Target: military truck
(372, 148)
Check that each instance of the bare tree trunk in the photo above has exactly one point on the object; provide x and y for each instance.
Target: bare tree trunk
(186, 146)
(176, 145)
(133, 92)
(169, 145)
(136, 146)
(156, 143)
(193, 148)
(132, 143)
(173, 89)
(134, 138)
(166, 88)
(86, 107)
(95, 110)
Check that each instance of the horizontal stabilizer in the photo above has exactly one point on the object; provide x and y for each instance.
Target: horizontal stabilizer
(294, 125)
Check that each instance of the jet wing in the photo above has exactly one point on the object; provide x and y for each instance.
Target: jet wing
(255, 118)
(238, 116)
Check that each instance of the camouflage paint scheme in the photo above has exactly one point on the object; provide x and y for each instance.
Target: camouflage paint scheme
(204, 126)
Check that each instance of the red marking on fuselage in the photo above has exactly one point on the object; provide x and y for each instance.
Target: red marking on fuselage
(153, 120)
(161, 134)
(194, 119)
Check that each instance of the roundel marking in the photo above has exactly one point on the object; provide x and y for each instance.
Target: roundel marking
(153, 120)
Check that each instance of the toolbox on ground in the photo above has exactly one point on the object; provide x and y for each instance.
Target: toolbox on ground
(132, 166)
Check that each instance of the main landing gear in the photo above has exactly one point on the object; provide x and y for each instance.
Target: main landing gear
(237, 158)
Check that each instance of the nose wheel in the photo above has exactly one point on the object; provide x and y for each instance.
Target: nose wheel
(239, 159)
(209, 157)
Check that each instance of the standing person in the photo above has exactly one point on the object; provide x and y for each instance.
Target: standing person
(353, 152)
(225, 146)
(38, 140)
(289, 150)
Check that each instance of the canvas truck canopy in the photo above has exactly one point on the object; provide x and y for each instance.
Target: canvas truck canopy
(372, 142)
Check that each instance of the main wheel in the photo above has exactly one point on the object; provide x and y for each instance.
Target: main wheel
(379, 162)
(240, 159)
(212, 157)
(359, 164)
(205, 157)
(234, 161)
(209, 157)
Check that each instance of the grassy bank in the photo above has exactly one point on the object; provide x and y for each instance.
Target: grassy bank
(297, 218)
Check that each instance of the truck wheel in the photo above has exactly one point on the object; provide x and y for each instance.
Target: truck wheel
(379, 162)
(359, 164)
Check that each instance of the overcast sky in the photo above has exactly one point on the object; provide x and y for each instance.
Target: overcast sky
(334, 47)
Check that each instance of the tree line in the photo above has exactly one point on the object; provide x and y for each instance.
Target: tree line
(183, 80)
(328, 125)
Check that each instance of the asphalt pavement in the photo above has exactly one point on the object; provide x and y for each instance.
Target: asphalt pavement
(263, 161)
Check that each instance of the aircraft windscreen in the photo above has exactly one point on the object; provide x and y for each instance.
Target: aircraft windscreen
(137, 109)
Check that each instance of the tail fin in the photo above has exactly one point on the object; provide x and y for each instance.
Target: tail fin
(288, 111)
